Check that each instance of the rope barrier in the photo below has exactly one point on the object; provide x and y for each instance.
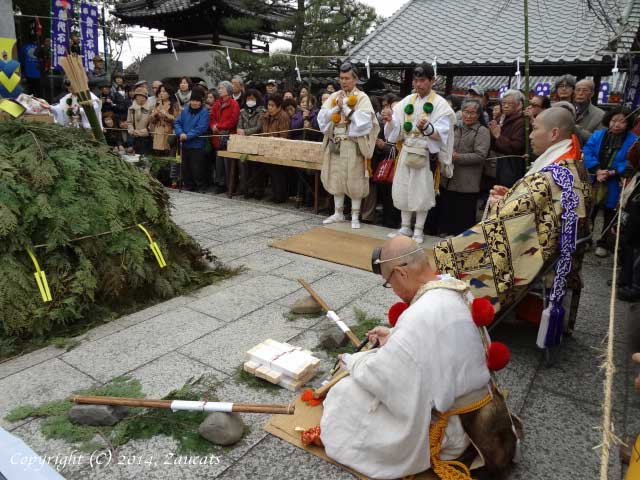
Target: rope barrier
(608, 438)
(201, 136)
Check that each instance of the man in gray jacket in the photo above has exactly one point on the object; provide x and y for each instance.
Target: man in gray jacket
(588, 116)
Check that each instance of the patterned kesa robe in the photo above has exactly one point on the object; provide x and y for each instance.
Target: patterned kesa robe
(502, 255)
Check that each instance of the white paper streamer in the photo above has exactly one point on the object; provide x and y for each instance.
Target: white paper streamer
(342, 326)
(229, 59)
(298, 71)
(518, 74)
(615, 72)
(173, 49)
(192, 406)
(434, 64)
(331, 315)
(368, 67)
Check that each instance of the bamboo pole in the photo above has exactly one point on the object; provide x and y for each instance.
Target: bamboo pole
(184, 405)
(73, 69)
(526, 79)
(347, 331)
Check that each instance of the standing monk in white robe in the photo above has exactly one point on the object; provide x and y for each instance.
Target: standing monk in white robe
(69, 111)
(425, 121)
(350, 129)
(377, 420)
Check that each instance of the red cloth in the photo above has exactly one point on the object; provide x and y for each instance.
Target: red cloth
(224, 115)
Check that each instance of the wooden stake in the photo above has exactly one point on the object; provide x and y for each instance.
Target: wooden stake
(322, 391)
(349, 333)
(193, 405)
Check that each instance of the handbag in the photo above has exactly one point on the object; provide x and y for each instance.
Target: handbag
(386, 168)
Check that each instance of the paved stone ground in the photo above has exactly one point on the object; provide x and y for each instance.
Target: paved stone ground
(209, 331)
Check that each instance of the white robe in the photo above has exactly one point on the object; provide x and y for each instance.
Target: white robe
(346, 172)
(549, 156)
(60, 111)
(413, 189)
(376, 421)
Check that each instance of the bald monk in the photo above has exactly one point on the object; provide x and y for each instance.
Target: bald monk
(552, 139)
(377, 420)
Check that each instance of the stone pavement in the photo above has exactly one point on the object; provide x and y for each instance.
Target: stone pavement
(208, 332)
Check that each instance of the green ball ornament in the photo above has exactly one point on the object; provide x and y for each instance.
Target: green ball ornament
(428, 107)
(69, 112)
(408, 109)
(69, 101)
(408, 126)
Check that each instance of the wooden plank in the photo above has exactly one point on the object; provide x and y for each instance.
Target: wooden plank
(333, 246)
(272, 160)
(284, 427)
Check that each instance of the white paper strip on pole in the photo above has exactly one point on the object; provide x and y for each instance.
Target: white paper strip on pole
(192, 406)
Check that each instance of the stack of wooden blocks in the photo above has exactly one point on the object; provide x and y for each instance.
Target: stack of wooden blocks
(281, 364)
(274, 147)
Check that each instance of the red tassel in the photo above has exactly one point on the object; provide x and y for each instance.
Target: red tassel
(311, 436)
(395, 311)
(307, 397)
(498, 356)
(482, 312)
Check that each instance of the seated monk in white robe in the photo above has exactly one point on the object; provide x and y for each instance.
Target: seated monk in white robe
(377, 420)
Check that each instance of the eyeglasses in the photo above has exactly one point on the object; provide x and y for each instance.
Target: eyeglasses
(387, 283)
(564, 85)
(508, 104)
(466, 113)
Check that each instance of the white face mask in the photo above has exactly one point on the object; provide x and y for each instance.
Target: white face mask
(251, 103)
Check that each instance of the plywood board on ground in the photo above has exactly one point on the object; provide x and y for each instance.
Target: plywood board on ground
(283, 427)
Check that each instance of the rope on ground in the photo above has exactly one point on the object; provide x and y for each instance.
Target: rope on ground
(608, 438)
(87, 237)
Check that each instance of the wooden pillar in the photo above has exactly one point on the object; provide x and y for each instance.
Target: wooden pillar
(407, 82)
(448, 87)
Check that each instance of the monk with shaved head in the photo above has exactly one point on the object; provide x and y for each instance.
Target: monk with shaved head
(377, 420)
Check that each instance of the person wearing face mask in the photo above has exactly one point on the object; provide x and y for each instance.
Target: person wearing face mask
(605, 157)
(249, 124)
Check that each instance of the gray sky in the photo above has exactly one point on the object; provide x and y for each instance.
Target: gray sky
(139, 44)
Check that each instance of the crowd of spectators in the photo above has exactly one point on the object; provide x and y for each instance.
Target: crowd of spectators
(195, 122)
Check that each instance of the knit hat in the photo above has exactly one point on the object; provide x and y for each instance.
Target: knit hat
(477, 89)
(197, 94)
(140, 91)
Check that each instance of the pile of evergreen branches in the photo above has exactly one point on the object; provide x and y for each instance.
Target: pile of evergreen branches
(57, 185)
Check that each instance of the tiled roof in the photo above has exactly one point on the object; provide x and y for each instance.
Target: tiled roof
(482, 32)
(140, 8)
(494, 83)
(133, 9)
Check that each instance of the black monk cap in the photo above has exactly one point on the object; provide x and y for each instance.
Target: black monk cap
(424, 70)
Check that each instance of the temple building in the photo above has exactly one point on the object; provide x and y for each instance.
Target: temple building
(192, 23)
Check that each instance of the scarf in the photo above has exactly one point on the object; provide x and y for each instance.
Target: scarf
(183, 97)
(610, 146)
